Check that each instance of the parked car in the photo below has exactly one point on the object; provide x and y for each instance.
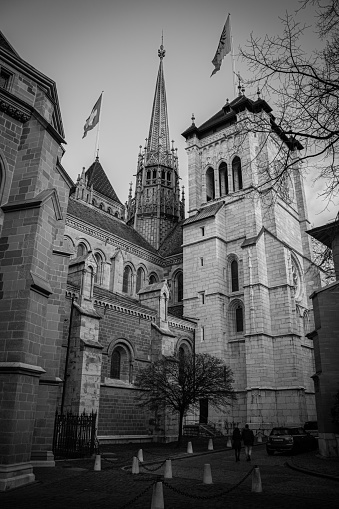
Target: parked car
(312, 428)
(288, 439)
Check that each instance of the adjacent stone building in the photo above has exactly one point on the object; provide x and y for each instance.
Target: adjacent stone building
(92, 289)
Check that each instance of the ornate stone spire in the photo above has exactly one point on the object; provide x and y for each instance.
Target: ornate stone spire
(158, 138)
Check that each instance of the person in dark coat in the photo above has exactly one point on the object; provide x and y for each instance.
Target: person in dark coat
(236, 443)
(248, 438)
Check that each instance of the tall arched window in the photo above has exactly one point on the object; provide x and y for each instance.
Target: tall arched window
(234, 276)
(178, 289)
(116, 364)
(210, 187)
(140, 279)
(127, 280)
(239, 319)
(153, 279)
(100, 267)
(121, 363)
(81, 249)
(237, 174)
(223, 179)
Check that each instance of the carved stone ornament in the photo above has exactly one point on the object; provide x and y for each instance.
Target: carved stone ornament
(14, 112)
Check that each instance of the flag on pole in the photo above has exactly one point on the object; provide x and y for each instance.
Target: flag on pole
(224, 46)
(93, 119)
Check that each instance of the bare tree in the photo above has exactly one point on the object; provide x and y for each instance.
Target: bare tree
(180, 384)
(305, 88)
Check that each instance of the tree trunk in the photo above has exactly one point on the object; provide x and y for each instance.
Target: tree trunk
(181, 419)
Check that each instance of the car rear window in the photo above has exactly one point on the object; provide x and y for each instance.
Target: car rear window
(281, 431)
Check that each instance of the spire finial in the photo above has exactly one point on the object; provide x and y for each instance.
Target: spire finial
(258, 92)
(193, 118)
(239, 83)
(161, 51)
(97, 157)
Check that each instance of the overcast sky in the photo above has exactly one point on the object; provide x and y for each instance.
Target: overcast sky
(88, 46)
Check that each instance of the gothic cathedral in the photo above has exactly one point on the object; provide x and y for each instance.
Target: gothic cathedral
(98, 289)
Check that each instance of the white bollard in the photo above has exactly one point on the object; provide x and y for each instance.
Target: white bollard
(157, 497)
(97, 463)
(210, 445)
(256, 480)
(135, 465)
(207, 479)
(168, 470)
(229, 442)
(189, 448)
(140, 456)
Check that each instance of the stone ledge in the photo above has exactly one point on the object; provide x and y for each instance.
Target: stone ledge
(21, 368)
(15, 475)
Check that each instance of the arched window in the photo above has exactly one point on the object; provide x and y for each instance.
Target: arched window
(234, 276)
(178, 289)
(109, 210)
(100, 266)
(168, 177)
(153, 279)
(223, 179)
(81, 249)
(154, 174)
(210, 188)
(239, 319)
(121, 363)
(237, 174)
(148, 175)
(140, 279)
(94, 202)
(163, 175)
(101, 206)
(306, 322)
(127, 280)
(116, 364)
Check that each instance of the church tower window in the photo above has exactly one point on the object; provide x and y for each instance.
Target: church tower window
(210, 187)
(223, 179)
(234, 276)
(237, 174)
(239, 319)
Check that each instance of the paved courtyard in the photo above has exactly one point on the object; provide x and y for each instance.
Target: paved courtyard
(75, 485)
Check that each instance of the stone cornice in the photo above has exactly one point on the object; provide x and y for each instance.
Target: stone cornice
(124, 309)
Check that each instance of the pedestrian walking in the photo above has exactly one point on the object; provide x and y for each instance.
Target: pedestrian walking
(236, 443)
(248, 438)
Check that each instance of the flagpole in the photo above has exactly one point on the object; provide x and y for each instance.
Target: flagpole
(232, 57)
(96, 151)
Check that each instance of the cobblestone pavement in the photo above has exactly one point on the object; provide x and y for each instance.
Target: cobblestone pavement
(75, 485)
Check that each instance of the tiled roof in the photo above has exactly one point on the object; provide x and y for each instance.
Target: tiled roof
(97, 176)
(88, 214)
(208, 211)
(172, 244)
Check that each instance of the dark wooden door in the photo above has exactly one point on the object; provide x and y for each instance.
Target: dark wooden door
(203, 415)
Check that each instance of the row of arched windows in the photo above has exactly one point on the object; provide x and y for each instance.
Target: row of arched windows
(121, 359)
(128, 279)
(151, 177)
(237, 181)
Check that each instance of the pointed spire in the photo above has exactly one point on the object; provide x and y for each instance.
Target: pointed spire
(158, 138)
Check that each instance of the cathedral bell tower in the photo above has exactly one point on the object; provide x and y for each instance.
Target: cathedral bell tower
(156, 207)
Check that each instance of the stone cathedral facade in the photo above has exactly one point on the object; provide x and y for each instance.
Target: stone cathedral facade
(92, 290)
